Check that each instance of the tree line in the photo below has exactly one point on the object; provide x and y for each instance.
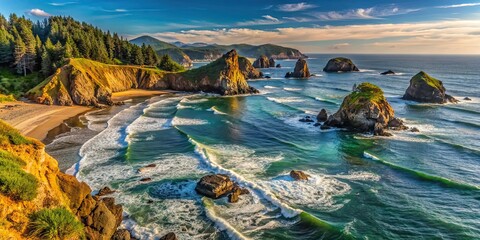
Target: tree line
(44, 46)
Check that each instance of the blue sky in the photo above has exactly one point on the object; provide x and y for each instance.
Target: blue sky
(355, 26)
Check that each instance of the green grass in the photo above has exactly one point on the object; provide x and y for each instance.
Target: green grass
(424, 77)
(18, 85)
(365, 92)
(57, 223)
(210, 70)
(16, 183)
(10, 135)
(6, 158)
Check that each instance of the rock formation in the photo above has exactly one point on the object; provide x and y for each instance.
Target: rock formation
(90, 83)
(340, 64)
(262, 62)
(248, 70)
(100, 216)
(299, 175)
(300, 71)
(424, 88)
(278, 66)
(219, 185)
(389, 72)
(271, 62)
(322, 115)
(364, 110)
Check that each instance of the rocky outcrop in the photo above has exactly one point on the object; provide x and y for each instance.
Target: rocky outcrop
(299, 175)
(90, 83)
(300, 71)
(364, 110)
(271, 62)
(322, 115)
(424, 88)
(219, 185)
(340, 64)
(101, 217)
(389, 72)
(262, 62)
(248, 70)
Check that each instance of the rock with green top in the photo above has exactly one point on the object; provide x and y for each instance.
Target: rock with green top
(364, 110)
(426, 89)
(340, 64)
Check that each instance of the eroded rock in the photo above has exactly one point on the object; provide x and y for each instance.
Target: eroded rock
(424, 88)
(340, 64)
(301, 70)
(299, 175)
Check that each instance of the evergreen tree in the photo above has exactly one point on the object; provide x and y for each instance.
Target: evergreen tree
(46, 68)
(137, 56)
(6, 54)
(167, 64)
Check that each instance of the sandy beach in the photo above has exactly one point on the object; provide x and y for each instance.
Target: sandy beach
(35, 120)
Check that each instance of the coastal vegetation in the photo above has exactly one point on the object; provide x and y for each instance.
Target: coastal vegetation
(425, 88)
(56, 223)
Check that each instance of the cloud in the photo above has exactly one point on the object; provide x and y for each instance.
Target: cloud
(117, 10)
(58, 4)
(266, 20)
(38, 12)
(460, 5)
(298, 19)
(425, 37)
(340, 45)
(362, 13)
(295, 7)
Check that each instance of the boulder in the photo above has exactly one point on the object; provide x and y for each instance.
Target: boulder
(426, 89)
(214, 186)
(340, 64)
(121, 234)
(262, 62)
(389, 72)
(146, 168)
(397, 124)
(169, 236)
(105, 191)
(146, 179)
(306, 119)
(278, 66)
(300, 71)
(322, 115)
(414, 129)
(271, 62)
(364, 110)
(234, 196)
(467, 99)
(299, 175)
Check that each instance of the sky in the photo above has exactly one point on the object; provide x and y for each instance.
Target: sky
(340, 26)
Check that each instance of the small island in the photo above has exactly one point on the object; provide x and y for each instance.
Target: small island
(426, 89)
(340, 64)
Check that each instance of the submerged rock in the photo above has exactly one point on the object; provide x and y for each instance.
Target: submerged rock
(299, 175)
(306, 119)
(365, 110)
(424, 88)
(322, 115)
(389, 72)
(300, 71)
(262, 62)
(105, 191)
(169, 236)
(414, 129)
(146, 168)
(146, 179)
(340, 64)
(278, 66)
(214, 186)
(467, 99)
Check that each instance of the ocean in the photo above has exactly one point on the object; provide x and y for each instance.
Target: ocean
(423, 185)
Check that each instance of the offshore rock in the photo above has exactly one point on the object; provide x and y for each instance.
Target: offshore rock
(299, 175)
(322, 115)
(426, 89)
(248, 70)
(214, 186)
(300, 71)
(262, 62)
(389, 72)
(340, 64)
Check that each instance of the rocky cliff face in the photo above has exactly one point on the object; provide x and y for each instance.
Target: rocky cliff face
(90, 83)
(424, 88)
(248, 70)
(300, 71)
(340, 64)
(262, 62)
(365, 110)
(101, 217)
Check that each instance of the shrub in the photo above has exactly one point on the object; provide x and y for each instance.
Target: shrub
(6, 98)
(16, 183)
(7, 158)
(56, 223)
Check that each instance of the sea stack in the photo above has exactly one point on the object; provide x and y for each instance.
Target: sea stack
(248, 70)
(262, 62)
(365, 110)
(300, 71)
(340, 64)
(426, 89)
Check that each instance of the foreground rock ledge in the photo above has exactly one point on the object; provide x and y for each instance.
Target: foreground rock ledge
(365, 110)
(426, 89)
(340, 64)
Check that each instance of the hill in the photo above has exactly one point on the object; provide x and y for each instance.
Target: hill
(162, 48)
(90, 83)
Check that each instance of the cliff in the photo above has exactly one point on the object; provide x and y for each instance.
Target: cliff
(424, 88)
(365, 110)
(90, 83)
(31, 183)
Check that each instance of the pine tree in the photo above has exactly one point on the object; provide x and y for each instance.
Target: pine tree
(46, 68)
(137, 56)
(6, 54)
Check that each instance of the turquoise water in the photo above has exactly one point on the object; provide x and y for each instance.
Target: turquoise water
(410, 186)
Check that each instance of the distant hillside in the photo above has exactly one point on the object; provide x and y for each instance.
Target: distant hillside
(179, 51)
(163, 48)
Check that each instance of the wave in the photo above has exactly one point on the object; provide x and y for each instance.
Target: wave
(454, 145)
(326, 101)
(178, 121)
(219, 222)
(215, 110)
(424, 176)
(464, 110)
(269, 87)
(292, 89)
(285, 99)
